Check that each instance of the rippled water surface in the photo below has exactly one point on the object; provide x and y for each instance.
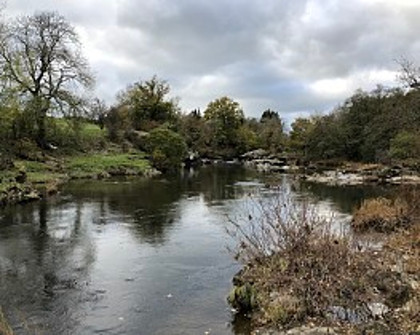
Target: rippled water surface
(134, 256)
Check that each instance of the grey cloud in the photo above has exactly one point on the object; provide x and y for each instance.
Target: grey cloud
(264, 53)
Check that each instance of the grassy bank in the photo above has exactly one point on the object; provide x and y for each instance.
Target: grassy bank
(28, 179)
(299, 271)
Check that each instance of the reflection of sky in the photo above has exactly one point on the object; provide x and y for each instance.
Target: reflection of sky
(119, 257)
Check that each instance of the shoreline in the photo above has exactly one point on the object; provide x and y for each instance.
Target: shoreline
(327, 284)
(30, 180)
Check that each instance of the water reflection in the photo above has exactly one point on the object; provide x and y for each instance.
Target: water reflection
(44, 259)
(345, 199)
(129, 256)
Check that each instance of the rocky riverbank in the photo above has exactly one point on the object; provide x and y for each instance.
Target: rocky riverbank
(364, 174)
(311, 281)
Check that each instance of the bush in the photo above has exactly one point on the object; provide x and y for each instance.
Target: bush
(167, 148)
(299, 269)
(381, 215)
(405, 145)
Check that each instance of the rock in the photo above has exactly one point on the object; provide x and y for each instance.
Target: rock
(33, 195)
(377, 309)
(255, 154)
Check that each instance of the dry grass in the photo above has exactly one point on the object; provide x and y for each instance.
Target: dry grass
(300, 270)
(380, 214)
(297, 264)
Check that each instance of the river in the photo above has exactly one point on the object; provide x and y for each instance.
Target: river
(140, 256)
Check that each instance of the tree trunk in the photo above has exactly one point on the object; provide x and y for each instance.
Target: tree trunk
(41, 136)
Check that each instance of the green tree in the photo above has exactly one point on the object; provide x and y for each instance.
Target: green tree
(149, 103)
(271, 131)
(300, 134)
(405, 145)
(225, 117)
(41, 63)
(192, 129)
(167, 148)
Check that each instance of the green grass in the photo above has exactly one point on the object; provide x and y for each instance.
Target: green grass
(45, 177)
(32, 166)
(83, 166)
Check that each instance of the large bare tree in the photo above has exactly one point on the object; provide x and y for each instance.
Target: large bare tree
(41, 63)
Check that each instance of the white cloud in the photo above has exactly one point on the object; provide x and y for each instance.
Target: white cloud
(292, 56)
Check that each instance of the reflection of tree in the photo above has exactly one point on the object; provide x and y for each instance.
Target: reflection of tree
(346, 198)
(152, 203)
(47, 264)
(149, 204)
(217, 182)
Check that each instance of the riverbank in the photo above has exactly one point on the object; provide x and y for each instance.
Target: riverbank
(334, 172)
(358, 174)
(305, 279)
(27, 180)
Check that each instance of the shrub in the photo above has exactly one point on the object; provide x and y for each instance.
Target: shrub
(300, 269)
(381, 215)
(405, 145)
(167, 148)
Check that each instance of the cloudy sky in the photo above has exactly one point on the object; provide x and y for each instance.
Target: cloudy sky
(296, 57)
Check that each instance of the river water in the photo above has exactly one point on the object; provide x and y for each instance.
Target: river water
(135, 256)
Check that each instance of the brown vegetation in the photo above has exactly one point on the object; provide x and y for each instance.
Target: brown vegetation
(381, 215)
(299, 270)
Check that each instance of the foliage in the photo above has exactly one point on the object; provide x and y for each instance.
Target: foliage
(299, 135)
(41, 63)
(371, 127)
(405, 144)
(167, 148)
(148, 103)
(193, 131)
(224, 117)
(247, 139)
(74, 134)
(271, 134)
(118, 123)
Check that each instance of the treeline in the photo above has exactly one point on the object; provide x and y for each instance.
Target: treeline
(45, 105)
(145, 113)
(378, 126)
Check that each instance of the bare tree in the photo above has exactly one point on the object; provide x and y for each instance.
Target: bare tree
(41, 62)
(409, 73)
